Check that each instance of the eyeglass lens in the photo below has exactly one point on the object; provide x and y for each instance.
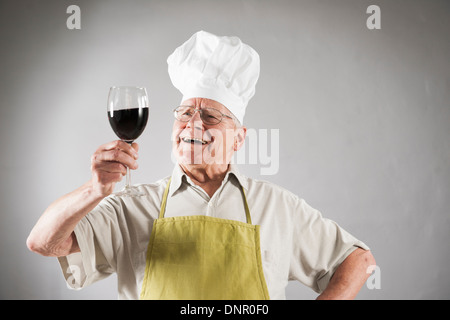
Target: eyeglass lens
(208, 115)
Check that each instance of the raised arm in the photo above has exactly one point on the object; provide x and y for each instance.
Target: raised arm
(53, 233)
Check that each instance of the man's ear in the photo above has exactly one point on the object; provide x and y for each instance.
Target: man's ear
(239, 138)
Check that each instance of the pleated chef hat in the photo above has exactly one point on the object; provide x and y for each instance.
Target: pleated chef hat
(219, 68)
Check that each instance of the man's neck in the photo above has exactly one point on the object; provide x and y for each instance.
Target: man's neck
(208, 177)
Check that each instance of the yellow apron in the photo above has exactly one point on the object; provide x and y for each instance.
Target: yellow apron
(203, 258)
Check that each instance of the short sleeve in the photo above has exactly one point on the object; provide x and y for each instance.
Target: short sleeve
(98, 236)
(319, 246)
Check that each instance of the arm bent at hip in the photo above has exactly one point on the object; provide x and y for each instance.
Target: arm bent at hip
(349, 277)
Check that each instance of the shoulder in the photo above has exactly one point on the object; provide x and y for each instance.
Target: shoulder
(274, 195)
(268, 189)
(153, 193)
(155, 188)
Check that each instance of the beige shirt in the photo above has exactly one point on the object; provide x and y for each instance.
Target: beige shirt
(297, 243)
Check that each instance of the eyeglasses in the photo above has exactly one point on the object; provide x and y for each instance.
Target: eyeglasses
(208, 115)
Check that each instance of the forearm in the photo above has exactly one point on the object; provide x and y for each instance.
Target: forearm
(349, 277)
(52, 234)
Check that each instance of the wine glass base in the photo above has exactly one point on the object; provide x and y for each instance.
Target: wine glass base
(129, 192)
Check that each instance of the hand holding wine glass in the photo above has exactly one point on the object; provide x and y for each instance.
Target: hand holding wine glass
(109, 165)
(128, 115)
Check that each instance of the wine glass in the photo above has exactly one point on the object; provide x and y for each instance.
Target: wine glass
(128, 115)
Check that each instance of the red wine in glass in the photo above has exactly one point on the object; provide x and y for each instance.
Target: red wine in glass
(128, 124)
(128, 115)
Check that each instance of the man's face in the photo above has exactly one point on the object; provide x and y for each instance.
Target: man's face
(198, 144)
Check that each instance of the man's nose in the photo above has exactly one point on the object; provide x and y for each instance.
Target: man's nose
(196, 121)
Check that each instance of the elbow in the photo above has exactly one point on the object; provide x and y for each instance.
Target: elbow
(52, 249)
(31, 244)
(35, 246)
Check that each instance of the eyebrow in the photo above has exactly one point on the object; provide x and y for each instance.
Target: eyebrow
(206, 107)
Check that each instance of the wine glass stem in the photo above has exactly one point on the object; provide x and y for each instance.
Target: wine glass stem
(128, 177)
(128, 181)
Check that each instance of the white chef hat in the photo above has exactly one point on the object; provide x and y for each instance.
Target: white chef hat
(219, 68)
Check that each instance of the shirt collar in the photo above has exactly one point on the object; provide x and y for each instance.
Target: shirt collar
(178, 175)
(177, 179)
(243, 181)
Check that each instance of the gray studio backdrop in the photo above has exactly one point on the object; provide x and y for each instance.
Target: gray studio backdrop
(354, 120)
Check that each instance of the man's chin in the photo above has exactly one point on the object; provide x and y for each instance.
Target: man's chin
(197, 162)
(190, 156)
(193, 157)
(189, 160)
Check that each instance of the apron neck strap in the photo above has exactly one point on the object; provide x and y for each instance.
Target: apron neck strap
(166, 192)
(164, 200)
(247, 210)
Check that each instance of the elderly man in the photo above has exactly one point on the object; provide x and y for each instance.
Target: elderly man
(206, 231)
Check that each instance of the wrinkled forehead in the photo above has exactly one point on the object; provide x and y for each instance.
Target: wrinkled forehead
(201, 103)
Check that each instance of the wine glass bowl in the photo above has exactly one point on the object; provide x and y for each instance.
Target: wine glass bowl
(128, 115)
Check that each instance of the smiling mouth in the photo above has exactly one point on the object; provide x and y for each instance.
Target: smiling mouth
(195, 141)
